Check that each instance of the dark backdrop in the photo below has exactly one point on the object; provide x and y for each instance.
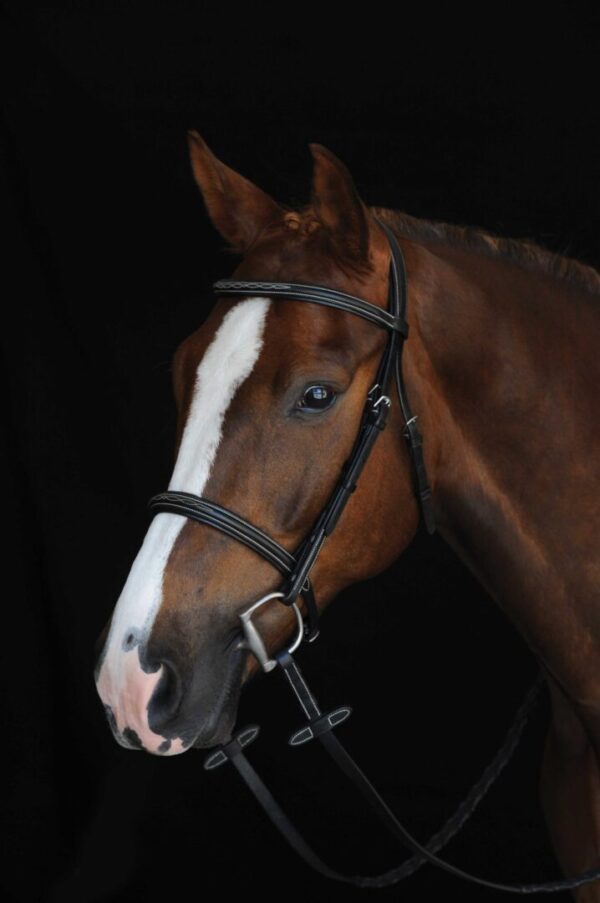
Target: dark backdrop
(108, 263)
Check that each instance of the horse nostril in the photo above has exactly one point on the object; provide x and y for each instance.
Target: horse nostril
(166, 699)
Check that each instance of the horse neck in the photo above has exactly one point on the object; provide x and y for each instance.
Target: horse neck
(505, 374)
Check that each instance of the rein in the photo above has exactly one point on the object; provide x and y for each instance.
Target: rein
(296, 570)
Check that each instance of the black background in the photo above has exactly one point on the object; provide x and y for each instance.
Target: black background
(108, 262)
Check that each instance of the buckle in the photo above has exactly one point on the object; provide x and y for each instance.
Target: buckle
(411, 432)
(383, 399)
(378, 411)
(252, 638)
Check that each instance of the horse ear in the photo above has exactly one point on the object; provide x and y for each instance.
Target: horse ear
(338, 206)
(238, 209)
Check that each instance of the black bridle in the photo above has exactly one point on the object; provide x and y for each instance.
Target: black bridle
(296, 569)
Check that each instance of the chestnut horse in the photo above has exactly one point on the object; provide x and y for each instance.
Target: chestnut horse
(503, 370)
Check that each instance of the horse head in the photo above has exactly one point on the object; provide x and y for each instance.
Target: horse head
(269, 397)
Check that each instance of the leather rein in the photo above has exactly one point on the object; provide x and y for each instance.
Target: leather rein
(296, 571)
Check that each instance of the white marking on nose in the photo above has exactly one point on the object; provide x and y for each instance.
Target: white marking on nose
(227, 362)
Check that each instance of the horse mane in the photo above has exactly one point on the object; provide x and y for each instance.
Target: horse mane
(523, 252)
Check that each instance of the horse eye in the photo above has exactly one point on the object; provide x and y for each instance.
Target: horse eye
(317, 398)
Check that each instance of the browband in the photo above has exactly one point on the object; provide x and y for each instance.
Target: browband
(329, 297)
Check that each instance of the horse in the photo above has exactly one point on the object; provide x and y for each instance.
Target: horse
(503, 372)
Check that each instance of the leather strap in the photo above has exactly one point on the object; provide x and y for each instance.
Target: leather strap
(316, 294)
(410, 431)
(206, 512)
(422, 853)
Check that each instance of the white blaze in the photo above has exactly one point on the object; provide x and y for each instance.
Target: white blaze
(227, 362)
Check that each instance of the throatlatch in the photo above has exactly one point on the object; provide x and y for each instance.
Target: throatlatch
(296, 569)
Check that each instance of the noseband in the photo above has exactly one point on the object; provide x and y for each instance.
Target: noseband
(296, 569)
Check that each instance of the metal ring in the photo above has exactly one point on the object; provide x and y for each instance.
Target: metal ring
(253, 639)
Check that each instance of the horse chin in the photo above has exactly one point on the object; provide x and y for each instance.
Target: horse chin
(218, 728)
(221, 735)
